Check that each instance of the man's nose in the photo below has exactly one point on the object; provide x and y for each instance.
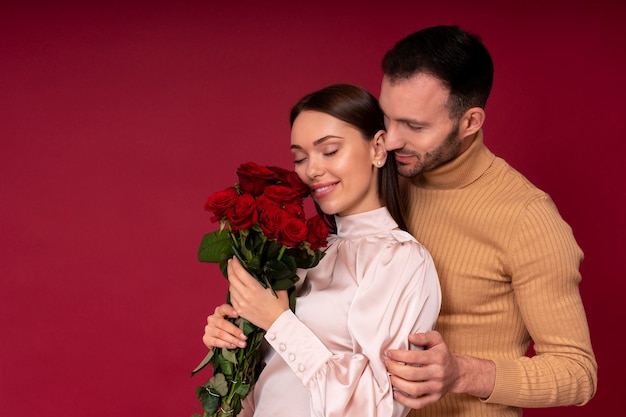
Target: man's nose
(392, 138)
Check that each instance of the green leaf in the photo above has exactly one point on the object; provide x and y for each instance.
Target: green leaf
(254, 240)
(248, 328)
(229, 355)
(210, 402)
(242, 260)
(306, 261)
(284, 284)
(292, 299)
(236, 408)
(272, 249)
(258, 337)
(214, 245)
(218, 384)
(226, 255)
(224, 364)
(254, 265)
(243, 390)
(278, 270)
(204, 362)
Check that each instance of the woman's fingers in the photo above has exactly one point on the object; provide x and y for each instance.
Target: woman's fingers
(220, 332)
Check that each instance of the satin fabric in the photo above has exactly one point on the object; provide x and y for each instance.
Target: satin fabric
(374, 287)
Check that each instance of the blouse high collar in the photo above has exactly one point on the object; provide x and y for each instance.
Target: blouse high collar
(364, 224)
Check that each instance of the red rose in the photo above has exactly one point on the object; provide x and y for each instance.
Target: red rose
(292, 180)
(253, 178)
(271, 221)
(281, 194)
(292, 232)
(265, 204)
(243, 213)
(294, 210)
(317, 232)
(220, 202)
(281, 173)
(299, 187)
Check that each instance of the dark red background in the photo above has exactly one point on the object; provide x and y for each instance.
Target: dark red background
(118, 119)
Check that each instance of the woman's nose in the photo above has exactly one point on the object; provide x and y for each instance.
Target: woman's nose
(314, 168)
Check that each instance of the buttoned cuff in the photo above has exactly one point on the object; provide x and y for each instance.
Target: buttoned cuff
(297, 345)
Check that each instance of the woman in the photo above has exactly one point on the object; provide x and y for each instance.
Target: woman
(375, 285)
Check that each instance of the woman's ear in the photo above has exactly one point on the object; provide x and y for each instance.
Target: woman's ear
(379, 154)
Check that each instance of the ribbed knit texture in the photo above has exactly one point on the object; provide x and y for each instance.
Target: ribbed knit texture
(509, 271)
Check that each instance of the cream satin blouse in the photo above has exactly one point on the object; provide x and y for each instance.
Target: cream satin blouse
(374, 287)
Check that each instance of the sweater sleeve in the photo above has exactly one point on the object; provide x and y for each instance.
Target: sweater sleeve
(544, 269)
(397, 295)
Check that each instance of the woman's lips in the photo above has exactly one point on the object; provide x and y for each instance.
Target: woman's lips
(320, 191)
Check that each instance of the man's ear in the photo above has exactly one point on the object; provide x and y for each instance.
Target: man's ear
(471, 121)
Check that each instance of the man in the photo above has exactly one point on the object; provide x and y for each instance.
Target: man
(508, 263)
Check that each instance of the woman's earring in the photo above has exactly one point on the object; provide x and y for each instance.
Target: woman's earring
(378, 163)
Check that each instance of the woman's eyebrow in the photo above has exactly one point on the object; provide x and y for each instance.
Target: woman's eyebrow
(318, 141)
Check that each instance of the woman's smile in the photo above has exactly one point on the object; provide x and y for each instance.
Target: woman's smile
(322, 190)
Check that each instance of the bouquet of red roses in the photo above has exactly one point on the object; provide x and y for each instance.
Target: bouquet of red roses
(262, 223)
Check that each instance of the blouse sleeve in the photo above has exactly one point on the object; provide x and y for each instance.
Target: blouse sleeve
(398, 294)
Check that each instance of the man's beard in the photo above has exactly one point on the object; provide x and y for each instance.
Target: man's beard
(445, 152)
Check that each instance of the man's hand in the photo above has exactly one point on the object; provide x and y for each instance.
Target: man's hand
(422, 377)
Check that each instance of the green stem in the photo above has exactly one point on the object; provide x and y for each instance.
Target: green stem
(261, 250)
(232, 236)
(282, 250)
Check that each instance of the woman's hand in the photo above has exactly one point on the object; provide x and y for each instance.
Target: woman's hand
(251, 301)
(220, 332)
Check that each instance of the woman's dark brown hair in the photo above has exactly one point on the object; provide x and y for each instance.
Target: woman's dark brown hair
(356, 106)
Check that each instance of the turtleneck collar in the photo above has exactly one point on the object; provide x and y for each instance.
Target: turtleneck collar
(461, 171)
(364, 224)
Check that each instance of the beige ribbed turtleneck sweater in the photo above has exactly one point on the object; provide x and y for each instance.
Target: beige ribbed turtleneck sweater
(509, 271)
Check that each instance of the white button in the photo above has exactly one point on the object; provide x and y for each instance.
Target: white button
(292, 357)
(271, 336)
(300, 368)
(282, 347)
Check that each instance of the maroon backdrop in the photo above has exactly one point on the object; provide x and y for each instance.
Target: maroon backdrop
(118, 119)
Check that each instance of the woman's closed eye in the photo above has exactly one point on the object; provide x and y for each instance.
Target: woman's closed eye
(299, 157)
(330, 150)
